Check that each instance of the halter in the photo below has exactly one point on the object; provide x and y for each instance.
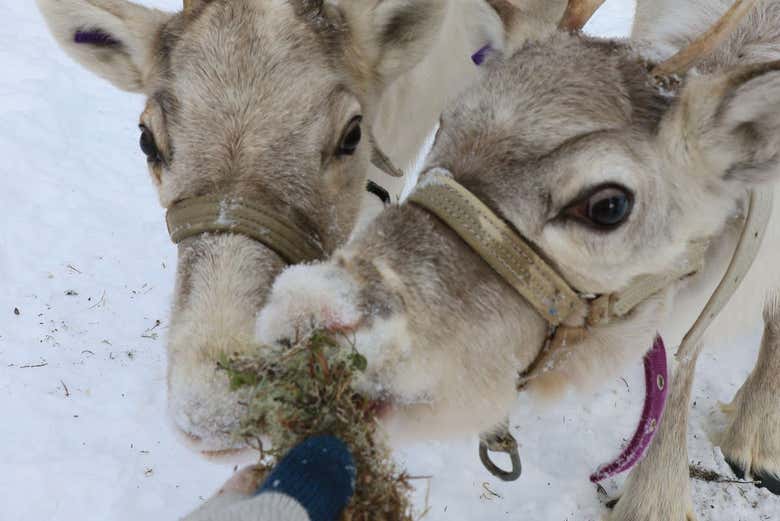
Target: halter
(231, 214)
(564, 308)
(571, 314)
(234, 214)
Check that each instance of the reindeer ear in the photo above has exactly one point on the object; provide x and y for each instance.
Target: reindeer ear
(115, 39)
(405, 29)
(732, 123)
(391, 36)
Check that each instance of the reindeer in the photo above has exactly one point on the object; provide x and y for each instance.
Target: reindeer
(260, 116)
(262, 103)
(577, 170)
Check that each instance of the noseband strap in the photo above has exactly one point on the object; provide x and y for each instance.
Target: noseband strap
(231, 214)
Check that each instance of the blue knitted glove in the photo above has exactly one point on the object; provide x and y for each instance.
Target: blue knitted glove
(319, 474)
(313, 482)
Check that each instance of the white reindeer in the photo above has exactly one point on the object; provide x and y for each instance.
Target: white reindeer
(253, 122)
(608, 176)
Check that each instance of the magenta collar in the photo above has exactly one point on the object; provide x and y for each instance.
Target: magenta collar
(656, 391)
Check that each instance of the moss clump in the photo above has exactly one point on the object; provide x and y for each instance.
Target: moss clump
(306, 390)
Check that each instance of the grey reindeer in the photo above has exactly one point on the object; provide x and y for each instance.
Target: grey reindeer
(578, 170)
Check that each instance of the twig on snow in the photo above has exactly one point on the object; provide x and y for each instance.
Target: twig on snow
(710, 476)
(43, 363)
(99, 303)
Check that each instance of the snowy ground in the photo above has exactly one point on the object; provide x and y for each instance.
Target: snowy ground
(87, 274)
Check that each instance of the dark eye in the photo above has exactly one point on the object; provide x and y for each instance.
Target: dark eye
(149, 146)
(607, 207)
(351, 137)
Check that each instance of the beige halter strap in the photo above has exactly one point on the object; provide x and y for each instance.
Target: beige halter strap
(231, 214)
(759, 213)
(532, 277)
(499, 245)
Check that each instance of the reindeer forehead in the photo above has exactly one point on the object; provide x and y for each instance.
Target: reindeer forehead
(249, 44)
(559, 89)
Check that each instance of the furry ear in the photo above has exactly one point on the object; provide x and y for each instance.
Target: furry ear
(390, 36)
(115, 39)
(527, 20)
(727, 127)
(405, 29)
(547, 12)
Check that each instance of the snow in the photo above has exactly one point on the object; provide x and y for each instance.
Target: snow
(85, 259)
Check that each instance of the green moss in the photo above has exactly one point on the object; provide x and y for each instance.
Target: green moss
(307, 390)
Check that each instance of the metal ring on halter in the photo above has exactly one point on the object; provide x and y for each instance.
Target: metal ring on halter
(509, 447)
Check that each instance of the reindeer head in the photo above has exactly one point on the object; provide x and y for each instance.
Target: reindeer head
(611, 167)
(254, 100)
(609, 173)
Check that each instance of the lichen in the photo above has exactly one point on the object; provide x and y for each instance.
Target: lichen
(306, 390)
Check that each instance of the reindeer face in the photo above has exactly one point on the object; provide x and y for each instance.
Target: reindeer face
(253, 99)
(609, 176)
(559, 139)
(269, 101)
(607, 173)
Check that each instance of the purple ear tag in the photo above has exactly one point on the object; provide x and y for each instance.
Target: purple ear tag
(656, 390)
(95, 37)
(481, 55)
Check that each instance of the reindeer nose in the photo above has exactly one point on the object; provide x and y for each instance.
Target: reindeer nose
(205, 410)
(210, 445)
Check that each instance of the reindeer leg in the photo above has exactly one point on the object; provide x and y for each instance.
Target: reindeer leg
(751, 443)
(658, 489)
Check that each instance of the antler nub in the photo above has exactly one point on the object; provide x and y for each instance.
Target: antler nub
(684, 60)
(577, 14)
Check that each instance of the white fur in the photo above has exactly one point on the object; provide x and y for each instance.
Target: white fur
(429, 380)
(216, 317)
(752, 439)
(304, 299)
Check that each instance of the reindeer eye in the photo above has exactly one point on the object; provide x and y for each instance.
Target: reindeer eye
(149, 146)
(351, 138)
(606, 208)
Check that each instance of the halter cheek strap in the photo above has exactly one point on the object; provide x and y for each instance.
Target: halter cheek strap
(500, 246)
(510, 255)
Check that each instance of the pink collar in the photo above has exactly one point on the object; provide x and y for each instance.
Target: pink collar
(656, 390)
